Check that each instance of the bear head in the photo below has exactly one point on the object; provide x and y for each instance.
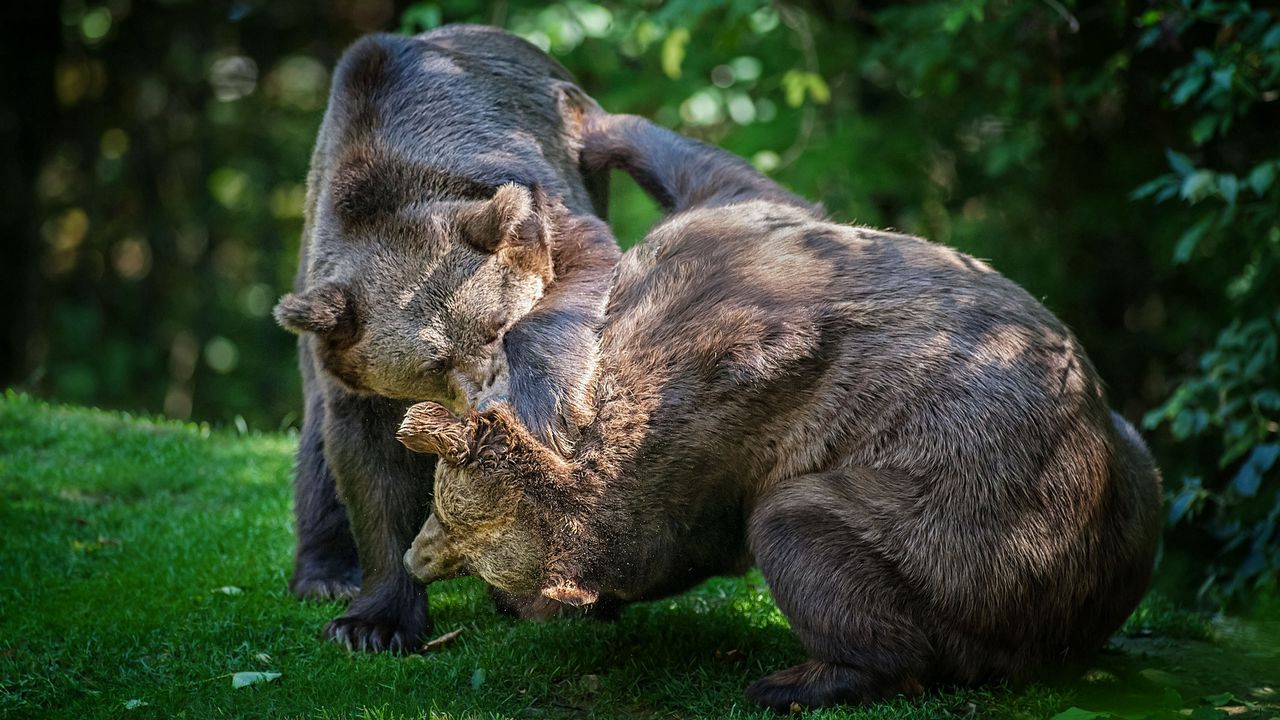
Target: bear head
(505, 508)
(413, 273)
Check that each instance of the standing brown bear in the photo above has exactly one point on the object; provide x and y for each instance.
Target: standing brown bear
(447, 224)
(917, 454)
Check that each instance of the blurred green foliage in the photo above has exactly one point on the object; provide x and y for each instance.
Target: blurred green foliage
(1118, 159)
(1232, 401)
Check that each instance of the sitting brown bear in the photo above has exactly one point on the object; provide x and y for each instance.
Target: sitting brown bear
(432, 243)
(917, 454)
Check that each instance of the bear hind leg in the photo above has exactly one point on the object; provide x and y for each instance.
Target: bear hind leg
(326, 565)
(814, 683)
(849, 607)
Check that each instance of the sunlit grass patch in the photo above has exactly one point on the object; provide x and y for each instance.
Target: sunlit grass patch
(143, 565)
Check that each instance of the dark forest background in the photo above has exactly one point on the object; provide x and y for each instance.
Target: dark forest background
(1118, 159)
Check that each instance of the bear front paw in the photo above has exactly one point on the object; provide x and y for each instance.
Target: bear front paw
(430, 427)
(325, 588)
(365, 634)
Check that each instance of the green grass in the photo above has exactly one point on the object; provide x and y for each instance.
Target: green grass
(116, 533)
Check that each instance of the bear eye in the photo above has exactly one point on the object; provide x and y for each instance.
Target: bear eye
(438, 365)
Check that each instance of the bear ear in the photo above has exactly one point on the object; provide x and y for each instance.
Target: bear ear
(513, 217)
(576, 108)
(429, 427)
(569, 592)
(323, 310)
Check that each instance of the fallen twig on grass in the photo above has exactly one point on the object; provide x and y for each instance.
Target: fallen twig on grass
(442, 642)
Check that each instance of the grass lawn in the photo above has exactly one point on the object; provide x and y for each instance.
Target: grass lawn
(143, 563)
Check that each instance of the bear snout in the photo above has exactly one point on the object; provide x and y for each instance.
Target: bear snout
(432, 556)
(409, 565)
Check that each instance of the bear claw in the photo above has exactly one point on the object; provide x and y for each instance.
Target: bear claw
(358, 634)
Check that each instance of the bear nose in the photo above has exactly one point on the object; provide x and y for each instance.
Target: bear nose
(408, 563)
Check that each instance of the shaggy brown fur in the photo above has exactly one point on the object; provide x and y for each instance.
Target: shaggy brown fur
(917, 454)
(447, 224)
